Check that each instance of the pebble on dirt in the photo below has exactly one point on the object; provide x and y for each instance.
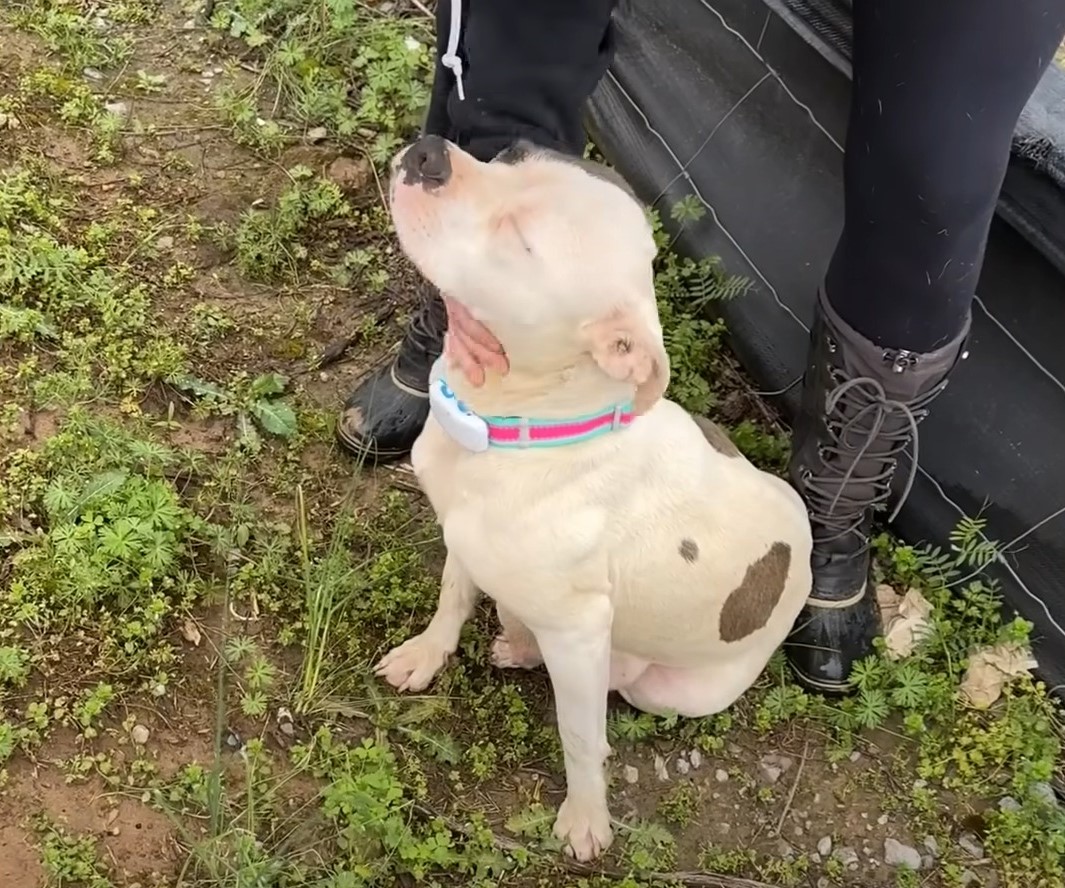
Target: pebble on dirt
(898, 854)
(773, 766)
(139, 734)
(824, 846)
(847, 856)
(970, 845)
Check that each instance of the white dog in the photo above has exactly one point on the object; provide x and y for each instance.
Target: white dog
(627, 546)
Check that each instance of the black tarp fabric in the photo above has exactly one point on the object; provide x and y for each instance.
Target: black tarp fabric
(743, 104)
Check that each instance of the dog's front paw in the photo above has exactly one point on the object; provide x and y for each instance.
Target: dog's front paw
(412, 665)
(585, 830)
(507, 654)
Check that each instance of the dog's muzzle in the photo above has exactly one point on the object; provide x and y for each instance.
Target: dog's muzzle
(426, 163)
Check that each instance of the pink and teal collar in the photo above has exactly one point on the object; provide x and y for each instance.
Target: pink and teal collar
(479, 433)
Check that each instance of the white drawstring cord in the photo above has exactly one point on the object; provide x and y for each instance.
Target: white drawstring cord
(450, 59)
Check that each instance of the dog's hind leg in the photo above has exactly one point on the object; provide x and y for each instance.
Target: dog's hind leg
(515, 647)
(415, 663)
(692, 693)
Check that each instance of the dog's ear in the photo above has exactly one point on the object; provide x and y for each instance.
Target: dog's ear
(627, 345)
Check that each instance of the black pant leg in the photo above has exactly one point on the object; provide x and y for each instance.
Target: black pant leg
(938, 88)
(529, 66)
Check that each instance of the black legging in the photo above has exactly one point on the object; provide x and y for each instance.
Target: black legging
(938, 88)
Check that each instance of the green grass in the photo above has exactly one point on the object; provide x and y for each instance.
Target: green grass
(194, 583)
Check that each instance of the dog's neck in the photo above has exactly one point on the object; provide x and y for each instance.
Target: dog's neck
(551, 376)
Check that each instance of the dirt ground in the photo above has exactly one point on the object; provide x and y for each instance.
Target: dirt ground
(209, 748)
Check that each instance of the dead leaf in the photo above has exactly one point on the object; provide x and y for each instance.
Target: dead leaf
(905, 620)
(991, 668)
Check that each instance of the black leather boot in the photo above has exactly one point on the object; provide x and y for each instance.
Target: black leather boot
(860, 409)
(385, 414)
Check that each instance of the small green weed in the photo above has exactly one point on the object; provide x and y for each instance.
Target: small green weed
(271, 244)
(71, 860)
(360, 73)
(254, 403)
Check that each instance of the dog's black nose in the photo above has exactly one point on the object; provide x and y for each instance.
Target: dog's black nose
(427, 163)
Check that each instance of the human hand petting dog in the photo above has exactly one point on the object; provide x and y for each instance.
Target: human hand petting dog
(470, 345)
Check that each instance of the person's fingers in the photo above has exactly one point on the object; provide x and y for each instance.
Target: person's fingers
(488, 357)
(471, 328)
(471, 368)
(459, 357)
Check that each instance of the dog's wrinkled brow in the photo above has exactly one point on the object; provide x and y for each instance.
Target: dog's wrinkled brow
(524, 150)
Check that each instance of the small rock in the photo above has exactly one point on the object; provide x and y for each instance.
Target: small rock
(349, 173)
(661, 771)
(815, 859)
(920, 783)
(1008, 803)
(931, 845)
(92, 74)
(882, 819)
(139, 734)
(630, 774)
(191, 632)
(724, 828)
(784, 849)
(317, 134)
(779, 761)
(823, 882)
(897, 854)
(799, 833)
(968, 877)
(9, 121)
(682, 766)
(927, 861)
(855, 756)
(847, 856)
(165, 243)
(824, 846)
(119, 109)
(1045, 793)
(112, 816)
(188, 25)
(970, 845)
(696, 758)
(721, 775)
(771, 773)
(207, 74)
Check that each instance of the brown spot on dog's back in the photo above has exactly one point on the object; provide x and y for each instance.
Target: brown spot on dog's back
(751, 603)
(689, 550)
(717, 437)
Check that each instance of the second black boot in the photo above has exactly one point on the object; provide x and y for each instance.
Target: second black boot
(385, 414)
(861, 405)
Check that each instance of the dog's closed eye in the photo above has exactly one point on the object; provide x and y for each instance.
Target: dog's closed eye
(508, 226)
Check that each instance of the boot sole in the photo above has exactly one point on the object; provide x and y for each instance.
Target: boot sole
(358, 448)
(819, 685)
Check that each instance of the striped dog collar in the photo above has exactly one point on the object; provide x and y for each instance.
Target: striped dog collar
(478, 433)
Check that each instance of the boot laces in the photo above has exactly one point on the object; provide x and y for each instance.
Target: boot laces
(857, 473)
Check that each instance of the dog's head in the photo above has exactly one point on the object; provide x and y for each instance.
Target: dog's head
(535, 241)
